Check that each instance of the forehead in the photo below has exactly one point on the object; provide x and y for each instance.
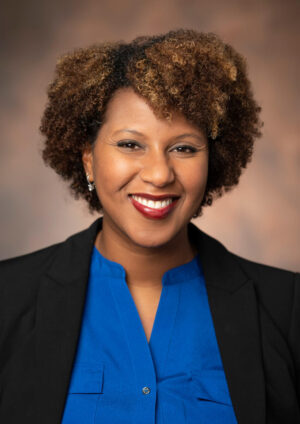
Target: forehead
(128, 109)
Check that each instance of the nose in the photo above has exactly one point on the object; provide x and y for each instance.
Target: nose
(157, 170)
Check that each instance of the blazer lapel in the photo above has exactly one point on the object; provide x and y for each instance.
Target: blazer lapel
(59, 312)
(234, 310)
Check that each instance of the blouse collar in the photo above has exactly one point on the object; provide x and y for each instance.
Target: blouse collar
(178, 274)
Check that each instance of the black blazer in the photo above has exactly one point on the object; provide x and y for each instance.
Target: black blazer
(255, 310)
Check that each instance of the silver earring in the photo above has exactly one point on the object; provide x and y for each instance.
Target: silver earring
(198, 213)
(91, 185)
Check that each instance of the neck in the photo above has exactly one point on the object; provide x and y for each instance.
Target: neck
(144, 266)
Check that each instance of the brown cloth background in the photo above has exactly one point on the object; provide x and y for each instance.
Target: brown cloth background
(259, 219)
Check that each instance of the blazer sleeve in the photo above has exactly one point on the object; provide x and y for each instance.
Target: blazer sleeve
(294, 334)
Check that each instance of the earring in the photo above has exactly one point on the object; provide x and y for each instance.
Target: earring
(91, 184)
(198, 212)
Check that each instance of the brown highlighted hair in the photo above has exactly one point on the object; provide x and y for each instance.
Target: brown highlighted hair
(191, 72)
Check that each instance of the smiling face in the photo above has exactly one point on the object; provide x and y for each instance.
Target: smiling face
(137, 155)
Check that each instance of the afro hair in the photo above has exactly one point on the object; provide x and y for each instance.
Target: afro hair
(194, 73)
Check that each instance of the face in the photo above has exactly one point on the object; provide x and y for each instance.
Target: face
(137, 156)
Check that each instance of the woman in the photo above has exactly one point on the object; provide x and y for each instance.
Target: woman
(143, 317)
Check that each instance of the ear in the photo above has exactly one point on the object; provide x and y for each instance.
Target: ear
(88, 160)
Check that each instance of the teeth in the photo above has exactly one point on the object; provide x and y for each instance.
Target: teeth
(158, 204)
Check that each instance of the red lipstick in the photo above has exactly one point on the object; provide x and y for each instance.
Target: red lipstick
(151, 212)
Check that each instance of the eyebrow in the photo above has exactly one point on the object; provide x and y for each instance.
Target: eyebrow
(129, 130)
(198, 137)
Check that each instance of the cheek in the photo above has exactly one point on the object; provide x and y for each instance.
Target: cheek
(111, 173)
(194, 179)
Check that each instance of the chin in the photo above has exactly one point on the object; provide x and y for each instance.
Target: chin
(151, 238)
(150, 244)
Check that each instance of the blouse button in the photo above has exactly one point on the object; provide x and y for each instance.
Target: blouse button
(146, 390)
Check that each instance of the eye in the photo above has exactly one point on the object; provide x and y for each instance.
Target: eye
(185, 149)
(129, 145)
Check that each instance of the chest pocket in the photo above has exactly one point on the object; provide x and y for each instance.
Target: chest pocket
(211, 400)
(85, 389)
(211, 385)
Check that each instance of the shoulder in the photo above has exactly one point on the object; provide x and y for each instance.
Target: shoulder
(264, 277)
(277, 290)
(267, 277)
(275, 284)
(36, 263)
(20, 277)
(29, 260)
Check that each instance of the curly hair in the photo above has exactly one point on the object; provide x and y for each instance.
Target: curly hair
(187, 71)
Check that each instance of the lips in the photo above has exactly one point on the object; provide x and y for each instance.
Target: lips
(154, 212)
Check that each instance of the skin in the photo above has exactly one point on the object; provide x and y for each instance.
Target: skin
(153, 164)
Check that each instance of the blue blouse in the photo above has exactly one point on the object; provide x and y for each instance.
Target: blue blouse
(118, 377)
